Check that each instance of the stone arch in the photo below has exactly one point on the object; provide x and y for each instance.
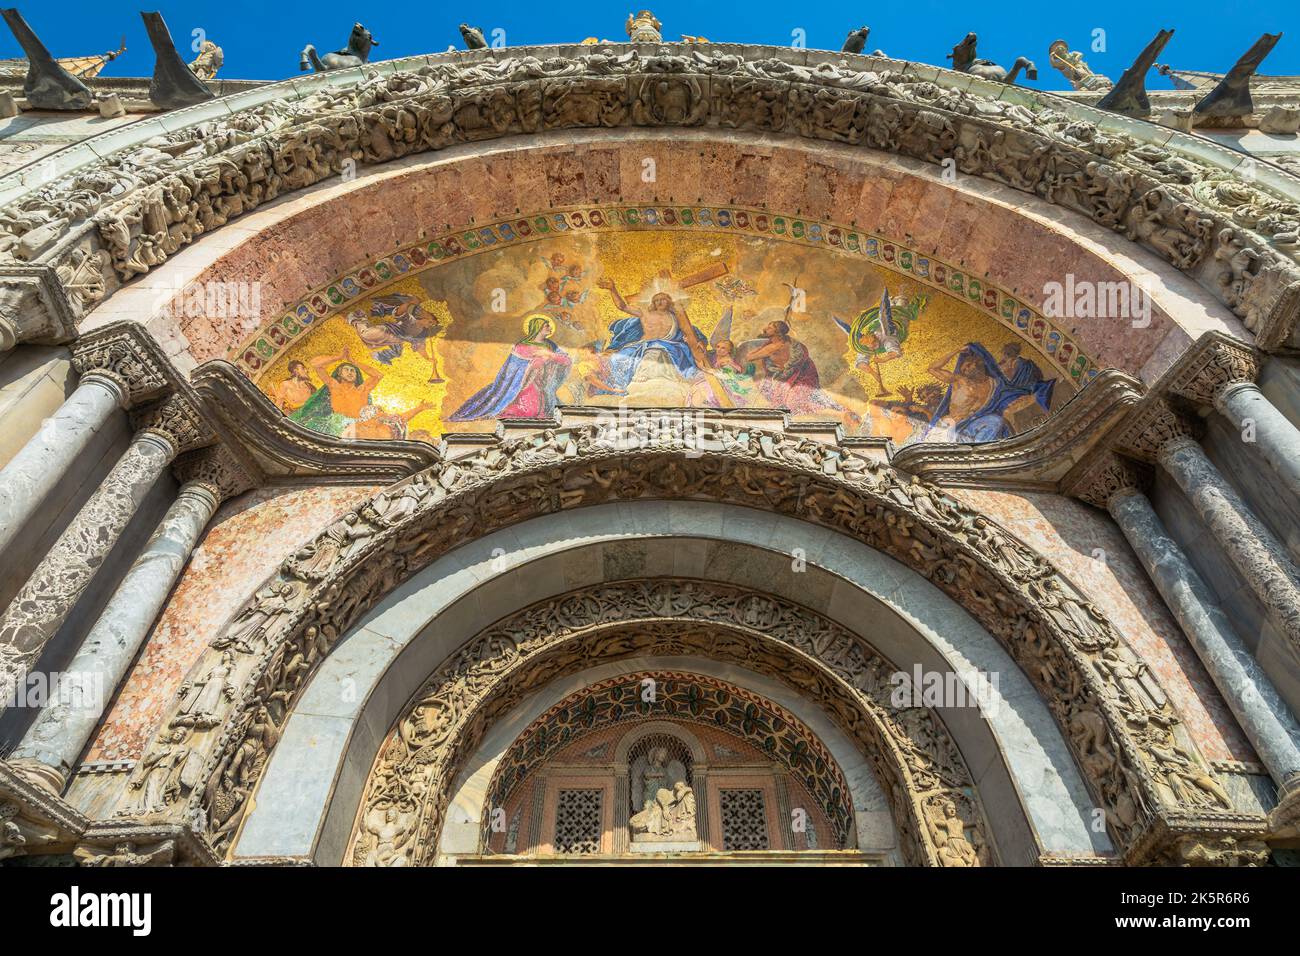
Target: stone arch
(1036, 800)
(128, 202)
(469, 811)
(651, 727)
(917, 764)
(1127, 750)
(771, 729)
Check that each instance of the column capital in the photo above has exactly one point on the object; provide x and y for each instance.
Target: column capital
(1216, 362)
(176, 419)
(1153, 427)
(216, 469)
(1105, 477)
(125, 354)
(35, 306)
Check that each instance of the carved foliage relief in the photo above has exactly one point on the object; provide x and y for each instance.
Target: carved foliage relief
(149, 201)
(919, 766)
(1126, 739)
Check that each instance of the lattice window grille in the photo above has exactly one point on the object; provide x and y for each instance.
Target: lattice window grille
(578, 821)
(744, 820)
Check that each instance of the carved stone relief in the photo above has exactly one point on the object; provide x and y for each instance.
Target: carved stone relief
(919, 766)
(1050, 629)
(148, 201)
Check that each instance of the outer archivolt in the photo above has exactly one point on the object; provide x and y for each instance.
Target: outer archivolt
(1139, 763)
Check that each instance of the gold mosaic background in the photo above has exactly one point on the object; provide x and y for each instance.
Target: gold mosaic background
(472, 315)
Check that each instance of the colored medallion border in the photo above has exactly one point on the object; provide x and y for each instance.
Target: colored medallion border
(256, 354)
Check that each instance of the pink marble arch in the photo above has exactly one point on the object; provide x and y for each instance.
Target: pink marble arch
(1091, 551)
(1002, 236)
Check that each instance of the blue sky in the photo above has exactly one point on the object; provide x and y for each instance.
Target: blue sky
(262, 39)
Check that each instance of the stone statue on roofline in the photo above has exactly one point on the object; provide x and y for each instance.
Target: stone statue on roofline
(1071, 65)
(360, 42)
(644, 27)
(964, 60)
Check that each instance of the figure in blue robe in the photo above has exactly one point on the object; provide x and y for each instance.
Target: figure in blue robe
(1013, 378)
(526, 385)
(627, 344)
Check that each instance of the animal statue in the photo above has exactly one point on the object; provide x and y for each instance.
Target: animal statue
(856, 41)
(964, 61)
(358, 52)
(473, 36)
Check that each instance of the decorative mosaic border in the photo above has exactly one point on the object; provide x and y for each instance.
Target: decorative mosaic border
(262, 348)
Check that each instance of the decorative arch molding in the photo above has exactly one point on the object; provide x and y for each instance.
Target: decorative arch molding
(917, 764)
(874, 832)
(693, 698)
(1132, 751)
(80, 224)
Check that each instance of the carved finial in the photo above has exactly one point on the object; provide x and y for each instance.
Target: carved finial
(1129, 97)
(173, 85)
(644, 27)
(964, 60)
(358, 49)
(48, 85)
(856, 41)
(1231, 98)
(210, 59)
(473, 37)
(1071, 65)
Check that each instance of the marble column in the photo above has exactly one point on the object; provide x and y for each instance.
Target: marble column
(8, 334)
(1251, 547)
(1263, 715)
(51, 746)
(1275, 438)
(28, 478)
(40, 608)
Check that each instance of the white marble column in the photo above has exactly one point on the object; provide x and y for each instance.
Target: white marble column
(1250, 546)
(28, 478)
(8, 334)
(1275, 438)
(40, 608)
(51, 746)
(1264, 716)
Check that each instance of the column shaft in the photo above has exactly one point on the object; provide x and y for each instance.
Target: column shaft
(1259, 708)
(61, 730)
(1276, 439)
(44, 602)
(1250, 546)
(28, 478)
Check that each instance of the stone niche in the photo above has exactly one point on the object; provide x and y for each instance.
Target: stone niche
(724, 780)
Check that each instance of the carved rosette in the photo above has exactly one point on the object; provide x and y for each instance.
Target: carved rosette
(919, 766)
(1064, 644)
(148, 201)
